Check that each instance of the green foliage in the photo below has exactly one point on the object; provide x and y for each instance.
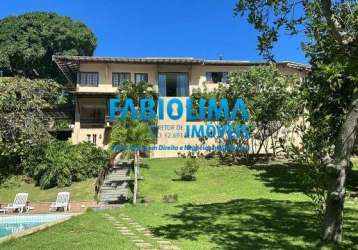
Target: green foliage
(61, 124)
(91, 158)
(272, 98)
(60, 163)
(22, 120)
(262, 201)
(332, 83)
(330, 91)
(131, 133)
(170, 198)
(128, 89)
(188, 171)
(11, 182)
(28, 41)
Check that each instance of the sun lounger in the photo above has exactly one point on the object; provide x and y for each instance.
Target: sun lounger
(62, 201)
(20, 203)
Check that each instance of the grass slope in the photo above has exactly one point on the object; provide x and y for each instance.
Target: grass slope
(228, 207)
(80, 191)
(234, 207)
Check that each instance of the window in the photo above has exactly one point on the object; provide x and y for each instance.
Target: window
(87, 79)
(94, 139)
(118, 78)
(217, 77)
(140, 77)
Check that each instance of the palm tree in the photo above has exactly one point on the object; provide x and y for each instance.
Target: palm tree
(130, 133)
(133, 134)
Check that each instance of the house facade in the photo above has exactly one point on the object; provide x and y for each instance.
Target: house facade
(95, 81)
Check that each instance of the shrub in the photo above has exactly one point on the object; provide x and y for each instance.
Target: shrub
(60, 163)
(170, 198)
(188, 171)
(92, 159)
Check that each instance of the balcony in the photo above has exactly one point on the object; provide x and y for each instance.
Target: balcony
(92, 122)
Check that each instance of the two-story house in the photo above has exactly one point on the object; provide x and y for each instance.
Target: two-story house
(96, 79)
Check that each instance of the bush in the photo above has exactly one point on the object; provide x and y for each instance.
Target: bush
(170, 198)
(188, 171)
(60, 163)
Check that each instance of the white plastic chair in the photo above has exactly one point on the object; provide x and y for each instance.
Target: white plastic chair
(20, 203)
(62, 201)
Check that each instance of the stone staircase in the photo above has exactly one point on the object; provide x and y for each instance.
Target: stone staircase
(115, 185)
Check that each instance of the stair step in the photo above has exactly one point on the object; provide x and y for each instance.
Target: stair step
(117, 175)
(105, 188)
(113, 198)
(127, 178)
(115, 187)
(113, 195)
(123, 179)
(114, 192)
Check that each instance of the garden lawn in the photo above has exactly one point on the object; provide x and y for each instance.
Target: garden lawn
(227, 207)
(80, 191)
(87, 231)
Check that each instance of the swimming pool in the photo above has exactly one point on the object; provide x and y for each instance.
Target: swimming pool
(11, 224)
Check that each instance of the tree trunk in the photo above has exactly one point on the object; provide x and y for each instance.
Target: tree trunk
(135, 188)
(336, 171)
(273, 145)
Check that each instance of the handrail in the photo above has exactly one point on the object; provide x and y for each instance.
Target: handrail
(102, 175)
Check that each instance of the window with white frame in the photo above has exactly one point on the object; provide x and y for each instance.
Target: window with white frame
(87, 79)
(140, 77)
(216, 77)
(119, 77)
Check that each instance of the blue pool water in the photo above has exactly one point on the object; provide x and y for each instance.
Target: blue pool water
(16, 223)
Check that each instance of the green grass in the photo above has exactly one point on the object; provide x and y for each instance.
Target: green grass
(227, 207)
(88, 231)
(80, 191)
(237, 207)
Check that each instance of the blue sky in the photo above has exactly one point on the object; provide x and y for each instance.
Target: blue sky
(180, 28)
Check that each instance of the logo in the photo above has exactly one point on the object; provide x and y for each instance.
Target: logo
(212, 111)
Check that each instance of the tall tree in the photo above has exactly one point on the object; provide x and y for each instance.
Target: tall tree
(28, 41)
(331, 89)
(22, 120)
(134, 135)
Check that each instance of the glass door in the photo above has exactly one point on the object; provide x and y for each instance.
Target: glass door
(182, 84)
(173, 84)
(162, 85)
